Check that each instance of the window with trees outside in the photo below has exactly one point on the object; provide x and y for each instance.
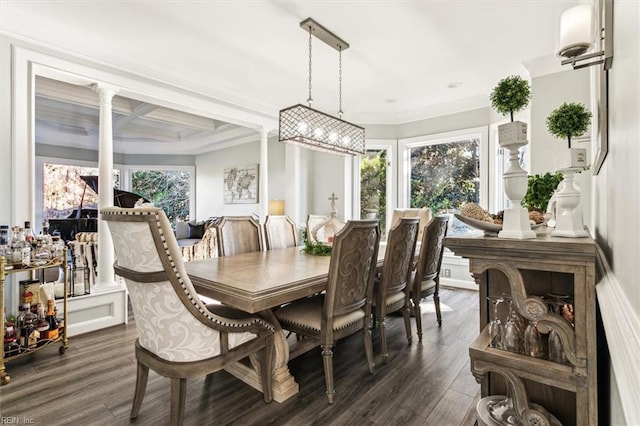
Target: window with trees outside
(442, 172)
(168, 189)
(373, 186)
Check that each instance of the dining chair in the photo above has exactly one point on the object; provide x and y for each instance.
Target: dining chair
(426, 280)
(345, 307)
(178, 336)
(238, 234)
(391, 292)
(423, 213)
(314, 220)
(280, 232)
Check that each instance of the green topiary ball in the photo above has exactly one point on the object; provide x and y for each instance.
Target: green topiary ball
(569, 120)
(510, 95)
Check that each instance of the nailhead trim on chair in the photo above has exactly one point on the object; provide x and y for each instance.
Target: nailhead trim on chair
(186, 291)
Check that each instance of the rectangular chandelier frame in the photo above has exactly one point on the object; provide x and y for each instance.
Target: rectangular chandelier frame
(308, 127)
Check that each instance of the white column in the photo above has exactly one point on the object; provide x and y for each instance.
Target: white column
(264, 175)
(105, 280)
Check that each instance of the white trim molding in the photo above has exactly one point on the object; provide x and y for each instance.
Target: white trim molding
(622, 328)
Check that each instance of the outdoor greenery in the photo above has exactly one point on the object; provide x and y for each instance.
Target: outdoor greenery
(510, 95)
(166, 189)
(444, 176)
(539, 190)
(373, 188)
(569, 120)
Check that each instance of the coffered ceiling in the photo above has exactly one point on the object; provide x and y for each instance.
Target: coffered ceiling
(407, 60)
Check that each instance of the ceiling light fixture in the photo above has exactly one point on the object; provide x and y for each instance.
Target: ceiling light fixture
(313, 129)
(577, 35)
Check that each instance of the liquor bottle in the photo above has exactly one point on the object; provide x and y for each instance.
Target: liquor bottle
(52, 320)
(5, 251)
(20, 250)
(28, 328)
(29, 236)
(42, 325)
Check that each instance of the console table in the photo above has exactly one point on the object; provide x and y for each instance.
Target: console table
(526, 271)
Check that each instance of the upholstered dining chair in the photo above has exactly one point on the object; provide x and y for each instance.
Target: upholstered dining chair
(426, 280)
(280, 232)
(238, 234)
(178, 336)
(424, 214)
(314, 220)
(345, 307)
(391, 292)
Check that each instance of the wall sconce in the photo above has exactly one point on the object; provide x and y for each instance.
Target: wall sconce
(276, 207)
(577, 26)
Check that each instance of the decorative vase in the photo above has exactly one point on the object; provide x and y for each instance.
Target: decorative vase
(569, 222)
(515, 222)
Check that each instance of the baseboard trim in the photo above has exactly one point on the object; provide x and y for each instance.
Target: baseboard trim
(450, 282)
(622, 328)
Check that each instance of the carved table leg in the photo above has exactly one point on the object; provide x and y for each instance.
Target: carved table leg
(284, 385)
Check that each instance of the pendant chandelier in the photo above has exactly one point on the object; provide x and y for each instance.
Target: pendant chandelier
(313, 129)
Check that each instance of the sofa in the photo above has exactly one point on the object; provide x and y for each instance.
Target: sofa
(197, 240)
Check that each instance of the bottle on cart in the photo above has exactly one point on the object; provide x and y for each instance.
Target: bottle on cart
(20, 250)
(5, 251)
(52, 320)
(28, 337)
(29, 235)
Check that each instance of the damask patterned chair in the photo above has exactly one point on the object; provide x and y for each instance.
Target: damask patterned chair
(178, 336)
(427, 277)
(238, 234)
(391, 292)
(280, 232)
(345, 308)
(312, 221)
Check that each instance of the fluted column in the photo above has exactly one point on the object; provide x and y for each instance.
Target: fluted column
(264, 175)
(105, 280)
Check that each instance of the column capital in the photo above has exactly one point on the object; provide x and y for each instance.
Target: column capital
(106, 92)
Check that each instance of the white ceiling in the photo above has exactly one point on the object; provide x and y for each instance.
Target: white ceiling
(404, 55)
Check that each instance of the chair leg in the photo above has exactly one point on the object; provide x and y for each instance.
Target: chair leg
(368, 348)
(406, 313)
(382, 332)
(141, 387)
(416, 307)
(178, 397)
(267, 369)
(436, 302)
(327, 360)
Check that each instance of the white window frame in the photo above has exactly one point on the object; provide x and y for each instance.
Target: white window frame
(391, 146)
(487, 185)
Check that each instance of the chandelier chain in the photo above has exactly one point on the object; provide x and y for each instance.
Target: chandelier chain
(310, 99)
(340, 82)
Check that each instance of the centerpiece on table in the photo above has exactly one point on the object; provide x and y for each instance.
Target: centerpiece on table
(510, 95)
(567, 121)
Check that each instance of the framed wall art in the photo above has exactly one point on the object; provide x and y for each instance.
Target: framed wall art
(241, 184)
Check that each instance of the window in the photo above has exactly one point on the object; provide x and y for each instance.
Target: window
(168, 189)
(63, 189)
(441, 172)
(376, 182)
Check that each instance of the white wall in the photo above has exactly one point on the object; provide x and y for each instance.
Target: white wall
(548, 92)
(617, 192)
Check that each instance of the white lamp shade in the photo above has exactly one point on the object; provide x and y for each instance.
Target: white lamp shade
(276, 207)
(576, 31)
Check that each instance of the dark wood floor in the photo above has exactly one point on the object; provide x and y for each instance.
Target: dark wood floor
(422, 384)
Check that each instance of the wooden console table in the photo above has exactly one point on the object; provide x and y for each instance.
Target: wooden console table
(525, 271)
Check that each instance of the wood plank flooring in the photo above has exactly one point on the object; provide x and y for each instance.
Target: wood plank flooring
(422, 384)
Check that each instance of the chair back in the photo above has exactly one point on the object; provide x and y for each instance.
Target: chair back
(398, 258)
(424, 214)
(314, 220)
(171, 320)
(238, 234)
(280, 232)
(432, 248)
(351, 271)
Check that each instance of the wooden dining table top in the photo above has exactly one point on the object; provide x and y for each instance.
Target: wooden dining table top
(261, 280)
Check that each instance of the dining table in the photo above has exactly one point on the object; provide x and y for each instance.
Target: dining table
(259, 282)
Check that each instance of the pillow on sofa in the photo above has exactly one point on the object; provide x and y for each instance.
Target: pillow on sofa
(196, 230)
(182, 230)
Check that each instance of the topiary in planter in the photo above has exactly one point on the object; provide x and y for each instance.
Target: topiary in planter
(510, 95)
(539, 190)
(569, 120)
